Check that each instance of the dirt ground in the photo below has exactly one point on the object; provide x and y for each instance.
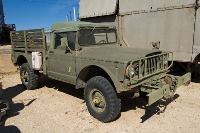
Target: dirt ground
(56, 107)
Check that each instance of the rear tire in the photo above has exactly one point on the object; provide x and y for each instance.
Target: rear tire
(101, 99)
(28, 77)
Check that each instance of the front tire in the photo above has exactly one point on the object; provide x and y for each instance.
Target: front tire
(28, 77)
(101, 99)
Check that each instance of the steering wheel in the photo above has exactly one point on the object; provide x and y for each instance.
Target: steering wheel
(102, 41)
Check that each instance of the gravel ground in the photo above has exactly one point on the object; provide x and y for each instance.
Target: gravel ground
(56, 107)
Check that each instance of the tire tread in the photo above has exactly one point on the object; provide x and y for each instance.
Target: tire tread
(33, 78)
(113, 102)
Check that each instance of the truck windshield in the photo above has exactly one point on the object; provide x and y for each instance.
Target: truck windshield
(92, 36)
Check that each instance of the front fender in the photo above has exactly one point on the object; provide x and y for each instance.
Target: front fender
(116, 82)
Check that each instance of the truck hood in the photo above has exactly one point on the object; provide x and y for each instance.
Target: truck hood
(115, 53)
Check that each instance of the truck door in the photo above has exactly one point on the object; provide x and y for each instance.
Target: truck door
(61, 60)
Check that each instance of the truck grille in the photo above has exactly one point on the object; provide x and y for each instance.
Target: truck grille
(151, 65)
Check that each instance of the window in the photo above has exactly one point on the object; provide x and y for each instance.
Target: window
(92, 36)
(71, 39)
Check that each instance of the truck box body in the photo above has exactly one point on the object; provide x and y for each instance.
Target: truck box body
(174, 23)
(25, 43)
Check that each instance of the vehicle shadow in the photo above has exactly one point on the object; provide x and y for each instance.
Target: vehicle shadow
(9, 129)
(195, 80)
(14, 107)
(8, 94)
(156, 108)
(195, 76)
(61, 86)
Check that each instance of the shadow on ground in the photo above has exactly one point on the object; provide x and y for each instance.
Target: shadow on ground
(14, 108)
(61, 86)
(156, 108)
(9, 94)
(196, 80)
(195, 76)
(9, 129)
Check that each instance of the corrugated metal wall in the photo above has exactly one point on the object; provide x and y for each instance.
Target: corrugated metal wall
(169, 21)
(94, 8)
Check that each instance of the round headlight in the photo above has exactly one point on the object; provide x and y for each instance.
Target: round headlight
(130, 71)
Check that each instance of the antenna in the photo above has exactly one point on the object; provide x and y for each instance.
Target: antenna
(78, 17)
(74, 14)
(67, 18)
(70, 16)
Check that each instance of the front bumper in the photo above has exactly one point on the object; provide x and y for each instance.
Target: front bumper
(165, 87)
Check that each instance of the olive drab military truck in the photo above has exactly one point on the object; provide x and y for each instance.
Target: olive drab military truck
(90, 56)
(168, 25)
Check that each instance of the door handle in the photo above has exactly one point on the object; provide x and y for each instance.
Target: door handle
(51, 51)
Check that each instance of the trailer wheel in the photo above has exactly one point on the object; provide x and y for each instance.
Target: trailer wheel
(101, 99)
(28, 77)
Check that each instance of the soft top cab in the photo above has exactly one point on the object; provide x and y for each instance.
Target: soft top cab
(74, 26)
